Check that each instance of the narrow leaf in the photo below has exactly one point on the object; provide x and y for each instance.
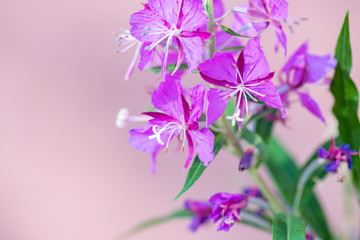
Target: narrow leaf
(197, 168)
(283, 171)
(237, 48)
(231, 32)
(256, 141)
(346, 98)
(170, 68)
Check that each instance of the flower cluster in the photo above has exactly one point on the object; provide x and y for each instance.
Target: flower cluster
(236, 93)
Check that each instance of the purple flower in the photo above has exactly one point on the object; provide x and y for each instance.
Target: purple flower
(303, 68)
(228, 207)
(336, 155)
(248, 77)
(180, 119)
(159, 22)
(201, 211)
(262, 15)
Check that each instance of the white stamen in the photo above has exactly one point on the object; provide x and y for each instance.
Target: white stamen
(175, 128)
(123, 116)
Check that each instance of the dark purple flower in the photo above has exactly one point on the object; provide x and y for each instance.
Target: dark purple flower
(161, 22)
(180, 119)
(246, 160)
(228, 207)
(336, 155)
(201, 211)
(303, 68)
(248, 77)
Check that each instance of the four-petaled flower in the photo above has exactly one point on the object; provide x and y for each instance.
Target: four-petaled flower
(180, 119)
(336, 155)
(303, 68)
(160, 23)
(228, 207)
(248, 77)
(201, 211)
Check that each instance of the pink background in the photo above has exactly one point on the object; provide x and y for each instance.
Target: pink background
(66, 171)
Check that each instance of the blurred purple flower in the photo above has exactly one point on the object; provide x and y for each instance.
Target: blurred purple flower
(247, 78)
(228, 207)
(201, 211)
(160, 22)
(179, 119)
(303, 68)
(262, 15)
(336, 155)
(253, 192)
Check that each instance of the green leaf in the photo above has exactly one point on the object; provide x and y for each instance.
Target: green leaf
(231, 32)
(237, 48)
(295, 228)
(197, 168)
(346, 98)
(154, 222)
(288, 227)
(280, 227)
(170, 68)
(283, 171)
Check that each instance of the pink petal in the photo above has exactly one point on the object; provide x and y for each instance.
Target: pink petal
(197, 94)
(279, 10)
(281, 37)
(220, 68)
(193, 50)
(216, 104)
(310, 105)
(319, 67)
(167, 97)
(193, 15)
(204, 145)
(190, 150)
(166, 9)
(252, 62)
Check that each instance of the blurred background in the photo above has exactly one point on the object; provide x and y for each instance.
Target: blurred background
(67, 172)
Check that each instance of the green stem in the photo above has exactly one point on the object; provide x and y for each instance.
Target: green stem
(274, 203)
(306, 175)
(211, 28)
(229, 134)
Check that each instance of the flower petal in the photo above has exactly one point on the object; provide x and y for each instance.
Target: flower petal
(279, 9)
(167, 97)
(252, 62)
(166, 9)
(310, 105)
(193, 50)
(319, 66)
(216, 104)
(281, 37)
(204, 144)
(143, 23)
(271, 98)
(197, 95)
(193, 16)
(221, 69)
(190, 150)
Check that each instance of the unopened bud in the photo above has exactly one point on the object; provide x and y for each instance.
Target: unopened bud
(246, 160)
